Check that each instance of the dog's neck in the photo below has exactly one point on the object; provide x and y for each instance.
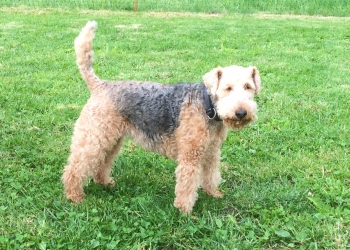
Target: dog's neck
(209, 107)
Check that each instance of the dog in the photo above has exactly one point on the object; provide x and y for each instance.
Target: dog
(186, 122)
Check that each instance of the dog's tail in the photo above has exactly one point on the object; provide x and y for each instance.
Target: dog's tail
(84, 53)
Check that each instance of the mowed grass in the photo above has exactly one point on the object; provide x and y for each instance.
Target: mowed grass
(286, 177)
(308, 7)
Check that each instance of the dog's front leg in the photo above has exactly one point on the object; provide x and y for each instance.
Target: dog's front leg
(187, 183)
(191, 139)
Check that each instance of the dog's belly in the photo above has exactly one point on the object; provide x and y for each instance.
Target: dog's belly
(164, 144)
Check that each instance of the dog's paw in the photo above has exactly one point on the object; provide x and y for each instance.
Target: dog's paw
(184, 208)
(75, 198)
(215, 193)
(109, 182)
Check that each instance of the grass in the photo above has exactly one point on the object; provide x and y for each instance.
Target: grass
(306, 7)
(286, 177)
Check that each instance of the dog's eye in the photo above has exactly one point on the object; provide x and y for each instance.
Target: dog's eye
(247, 86)
(229, 89)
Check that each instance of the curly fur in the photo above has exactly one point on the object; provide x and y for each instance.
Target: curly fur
(166, 118)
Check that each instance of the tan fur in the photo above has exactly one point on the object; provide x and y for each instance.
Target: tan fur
(195, 144)
(233, 88)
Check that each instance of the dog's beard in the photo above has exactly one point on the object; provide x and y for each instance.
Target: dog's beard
(235, 123)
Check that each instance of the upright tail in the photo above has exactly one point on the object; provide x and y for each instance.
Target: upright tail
(84, 53)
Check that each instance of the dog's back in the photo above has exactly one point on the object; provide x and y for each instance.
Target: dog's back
(153, 108)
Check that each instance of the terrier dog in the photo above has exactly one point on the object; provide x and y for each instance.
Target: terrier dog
(185, 122)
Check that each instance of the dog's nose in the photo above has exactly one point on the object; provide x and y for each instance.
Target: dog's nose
(241, 113)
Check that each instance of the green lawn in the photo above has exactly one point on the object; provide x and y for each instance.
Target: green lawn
(306, 7)
(286, 177)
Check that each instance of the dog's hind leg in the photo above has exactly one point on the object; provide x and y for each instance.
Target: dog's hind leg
(102, 175)
(97, 138)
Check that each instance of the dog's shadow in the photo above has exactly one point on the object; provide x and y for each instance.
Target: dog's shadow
(145, 179)
(137, 175)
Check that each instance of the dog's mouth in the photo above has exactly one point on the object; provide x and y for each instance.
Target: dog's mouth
(235, 123)
(239, 120)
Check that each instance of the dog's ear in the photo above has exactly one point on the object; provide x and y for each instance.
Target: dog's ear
(212, 79)
(256, 79)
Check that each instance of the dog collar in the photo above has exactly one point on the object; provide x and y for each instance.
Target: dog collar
(209, 107)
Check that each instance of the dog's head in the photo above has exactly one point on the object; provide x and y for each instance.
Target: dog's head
(232, 90)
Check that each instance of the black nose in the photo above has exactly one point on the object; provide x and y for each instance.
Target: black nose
(241, 113)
